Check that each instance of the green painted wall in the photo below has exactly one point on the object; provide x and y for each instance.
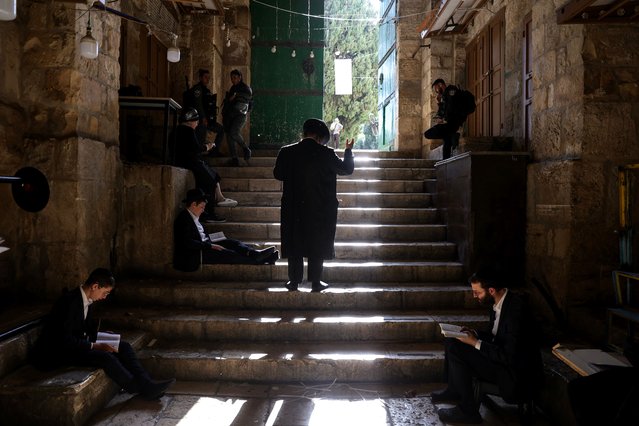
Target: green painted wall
(286, 90)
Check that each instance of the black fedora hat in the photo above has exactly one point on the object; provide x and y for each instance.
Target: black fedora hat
(317, 127)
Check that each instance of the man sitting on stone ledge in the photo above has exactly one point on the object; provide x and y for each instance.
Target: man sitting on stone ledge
(69, 334)
(190, 242)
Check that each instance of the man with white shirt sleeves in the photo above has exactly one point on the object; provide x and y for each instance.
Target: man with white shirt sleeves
(507, 355)
(69, 333)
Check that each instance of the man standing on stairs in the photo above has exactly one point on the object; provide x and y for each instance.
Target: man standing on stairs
(507, 355)
(192, 245)
(238, 102)
(308, 215)
(69, 334)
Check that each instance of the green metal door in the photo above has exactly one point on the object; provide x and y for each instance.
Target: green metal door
(287, 86)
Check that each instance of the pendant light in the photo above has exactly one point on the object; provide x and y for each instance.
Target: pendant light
(173, 52)
(88, 45)
(8, 10)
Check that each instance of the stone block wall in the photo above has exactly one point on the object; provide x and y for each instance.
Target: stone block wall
(60, 115)
(150, 202)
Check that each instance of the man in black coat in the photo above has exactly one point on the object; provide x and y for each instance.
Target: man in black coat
(191, 245)
(506, 355)
(449, 115)
(69, 338)
(238, 102)
(200, 97)
(309, 171)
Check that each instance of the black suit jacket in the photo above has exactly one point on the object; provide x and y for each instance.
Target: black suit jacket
(309, 197)
(515, 346)
(66, 334)
(187, 244)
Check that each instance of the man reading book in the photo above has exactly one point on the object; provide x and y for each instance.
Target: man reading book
(506, 354)
(191, 243)
(69, 334)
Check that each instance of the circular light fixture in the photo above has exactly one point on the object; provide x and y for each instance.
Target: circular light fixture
(293, 54)
(173, 52)
(274, 49)
(89, 46)
(311, 55)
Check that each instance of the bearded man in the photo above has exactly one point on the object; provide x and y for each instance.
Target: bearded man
(506, 355)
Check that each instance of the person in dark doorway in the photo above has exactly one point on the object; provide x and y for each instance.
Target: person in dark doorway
(191, 242)
(507, 355)
(69, 334)
(450, 116)
(309, 171)
(200, 97)
(238, 102)
(188, 152)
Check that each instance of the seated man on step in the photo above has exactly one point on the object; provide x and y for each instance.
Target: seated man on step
(191, 243)
(69, 335)
(506, 355)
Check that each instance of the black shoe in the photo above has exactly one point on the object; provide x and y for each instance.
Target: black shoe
(260, 256)
(457, 415)
(274, 258)
(247, 154)
(233, 162)
(318, 286)
(155, 390)
(211, 218)
(291, 286)
(444, 396)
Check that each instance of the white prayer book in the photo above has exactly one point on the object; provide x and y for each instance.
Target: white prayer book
(110, 339)
(452, 330)
(217, 236)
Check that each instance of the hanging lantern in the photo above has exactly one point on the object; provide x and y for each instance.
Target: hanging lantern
(173, 53)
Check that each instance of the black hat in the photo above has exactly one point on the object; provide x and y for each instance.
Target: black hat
(317, 127)
(190, 114)
(195, 195)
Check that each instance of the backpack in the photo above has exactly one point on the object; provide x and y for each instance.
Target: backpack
(466, 101)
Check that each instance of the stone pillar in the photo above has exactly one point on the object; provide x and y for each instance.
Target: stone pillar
(67, 107)
(409, 73)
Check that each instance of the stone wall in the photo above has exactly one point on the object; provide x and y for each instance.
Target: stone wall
(60, 115)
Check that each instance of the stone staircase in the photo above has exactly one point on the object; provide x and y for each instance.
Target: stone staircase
(393, 279)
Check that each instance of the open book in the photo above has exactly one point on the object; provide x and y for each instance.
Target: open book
(588, 361)
(451, 330)
(217, 236)
(110, 339)
(2, 248)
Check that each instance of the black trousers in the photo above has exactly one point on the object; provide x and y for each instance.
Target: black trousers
(123, 367)
(446, 132)
(462, 363)
(296, 269)
(235, 252)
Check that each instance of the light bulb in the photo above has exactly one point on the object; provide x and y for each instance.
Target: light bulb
(223, 26)
(311, 55)
(173, 54)
(228, 42)
(89, 46)
(273, 49)
(293, 54)
(8, 10)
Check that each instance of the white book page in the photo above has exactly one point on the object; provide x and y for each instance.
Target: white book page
(452, 330)
(110, 339)
(217, 236)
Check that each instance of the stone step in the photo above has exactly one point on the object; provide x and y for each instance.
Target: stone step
(360, 161)
(374, 274)
(281, 362)
(351, 185)
(364, 172)
(272, 151)
(344, 232)
(358, 215)
(405, 251)
(347, 199)
(200, 325)
(209, 295)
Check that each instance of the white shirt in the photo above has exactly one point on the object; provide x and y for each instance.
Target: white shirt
(199, 226)
(85, 302)
(497, 310)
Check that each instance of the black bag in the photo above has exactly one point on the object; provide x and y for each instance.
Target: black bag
(465, 101)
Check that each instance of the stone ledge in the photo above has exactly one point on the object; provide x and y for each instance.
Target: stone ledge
(67, 396)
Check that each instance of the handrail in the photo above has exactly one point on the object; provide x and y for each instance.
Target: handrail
(21, 328)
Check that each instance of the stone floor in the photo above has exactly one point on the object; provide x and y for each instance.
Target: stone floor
(224, 404)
